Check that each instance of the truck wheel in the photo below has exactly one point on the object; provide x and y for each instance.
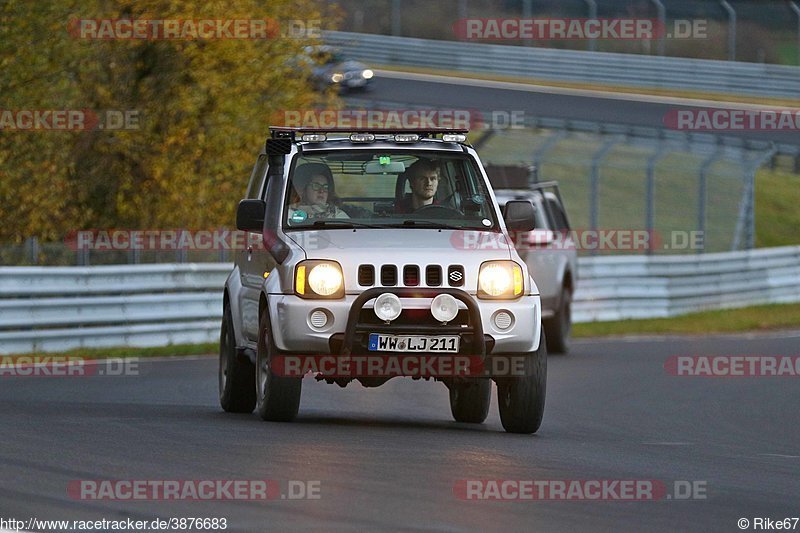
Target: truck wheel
(236, 376)
(521, 398)
(277, 397)
(470, 399)
(559, 327)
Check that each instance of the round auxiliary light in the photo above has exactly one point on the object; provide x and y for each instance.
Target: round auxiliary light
(503, 320)
(387, 306)
(444, 308)
(318, 318)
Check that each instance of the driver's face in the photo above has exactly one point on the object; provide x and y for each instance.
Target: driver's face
(424, 185)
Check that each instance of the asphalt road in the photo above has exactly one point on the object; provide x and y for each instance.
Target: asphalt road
(389, 457)
(440, 92)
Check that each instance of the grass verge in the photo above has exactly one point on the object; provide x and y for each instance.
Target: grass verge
(745, 319)
(130, 351)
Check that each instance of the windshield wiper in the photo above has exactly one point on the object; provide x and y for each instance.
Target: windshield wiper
(426, 224)
(345, 224)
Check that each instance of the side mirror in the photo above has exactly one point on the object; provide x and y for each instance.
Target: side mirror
(519, 215)
(250, 215)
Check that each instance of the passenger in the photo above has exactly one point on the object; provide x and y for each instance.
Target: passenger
(314, 195)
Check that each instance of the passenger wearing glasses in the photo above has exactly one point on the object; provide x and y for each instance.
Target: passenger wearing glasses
(314, 196)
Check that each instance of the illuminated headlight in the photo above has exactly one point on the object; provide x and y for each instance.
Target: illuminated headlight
(387, 307)
(319, 279)
(444, 308)
(367, 74)
(500, 280)
(336, 77)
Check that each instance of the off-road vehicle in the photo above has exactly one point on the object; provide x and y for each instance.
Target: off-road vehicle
(408, 254)
(552, 258)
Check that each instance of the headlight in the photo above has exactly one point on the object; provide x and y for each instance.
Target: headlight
(500, 280)
(367, 74)
(337, 77)
(319, 279)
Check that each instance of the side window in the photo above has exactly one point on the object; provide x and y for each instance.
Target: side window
(540, 216)
(257, 178)
(557, 212)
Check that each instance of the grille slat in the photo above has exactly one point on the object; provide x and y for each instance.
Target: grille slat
(388, 275)
(433, 275)
(366, 275)
(411, 275)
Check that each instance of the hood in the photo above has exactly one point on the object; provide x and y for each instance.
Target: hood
(405, 246)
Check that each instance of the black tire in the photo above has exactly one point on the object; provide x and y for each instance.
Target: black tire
(470, 400)
(277, 398)
(521, 399)
(236, 376)
(559, 328)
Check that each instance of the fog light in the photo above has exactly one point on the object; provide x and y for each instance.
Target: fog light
(318, 319)
(444, 308)
(387, 307)
(503, 320)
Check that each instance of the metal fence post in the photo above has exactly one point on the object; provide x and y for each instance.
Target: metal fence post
(650, 192)
(662, 21)
(32, 249)
(592, 15)
(538, 154)
(702, 193)
(731, 29)
(746, 221)
(594, 186)
(527, 12)
(796, 9)
(396, 27)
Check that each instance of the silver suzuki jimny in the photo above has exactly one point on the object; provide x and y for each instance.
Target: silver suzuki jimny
(379, 244)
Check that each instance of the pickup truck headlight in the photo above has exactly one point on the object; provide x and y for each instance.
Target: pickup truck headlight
(319, 279)
(499, 280)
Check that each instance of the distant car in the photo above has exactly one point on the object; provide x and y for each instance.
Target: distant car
(551, 256)
(331, 68)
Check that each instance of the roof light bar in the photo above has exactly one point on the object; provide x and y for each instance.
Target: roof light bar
(406, 138)
(362, 137)
(315, 137)
(454, 137)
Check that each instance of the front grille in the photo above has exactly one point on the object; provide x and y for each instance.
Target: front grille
(366, 275)
(388, 275)
(411, 275)
(455, 275)
(433, 275)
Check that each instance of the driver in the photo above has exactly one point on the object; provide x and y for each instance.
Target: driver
(423, 177)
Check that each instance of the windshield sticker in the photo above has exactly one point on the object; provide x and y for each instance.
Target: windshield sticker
(486, 222)
(299, 216)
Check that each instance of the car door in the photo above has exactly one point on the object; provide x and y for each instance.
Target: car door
(543, 255)
(252, 259)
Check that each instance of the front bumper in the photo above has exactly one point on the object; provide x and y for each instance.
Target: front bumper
(294, 332)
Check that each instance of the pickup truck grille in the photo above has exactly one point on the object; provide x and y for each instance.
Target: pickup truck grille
(412, 276)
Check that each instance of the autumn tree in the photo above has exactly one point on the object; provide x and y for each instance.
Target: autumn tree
(203, 107)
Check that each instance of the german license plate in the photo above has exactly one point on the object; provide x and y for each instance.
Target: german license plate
(379, 342)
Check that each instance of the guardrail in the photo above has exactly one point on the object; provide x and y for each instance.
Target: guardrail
(625, 287)
(571, 65)
(47, 309)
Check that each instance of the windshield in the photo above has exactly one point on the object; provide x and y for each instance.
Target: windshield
(387, 189)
